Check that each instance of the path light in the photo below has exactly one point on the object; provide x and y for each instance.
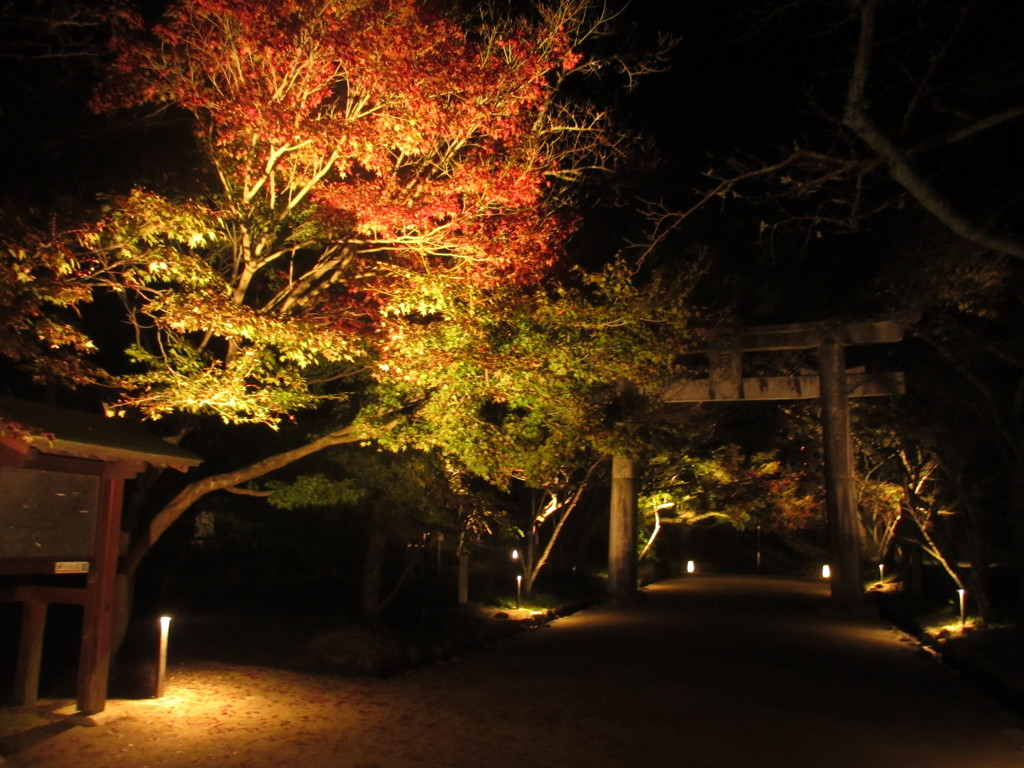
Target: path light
(881, 572)
(515, 554)
(690, 567)
(826, 572)
(161, 667)
(519, 589)
(963, 595)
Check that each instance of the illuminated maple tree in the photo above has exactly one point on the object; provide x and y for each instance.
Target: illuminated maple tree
(527, 385)
(363, 161)
(353, 146)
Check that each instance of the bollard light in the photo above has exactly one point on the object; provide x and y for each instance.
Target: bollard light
(963, 616)
(881, 572)
(690, 566)
(826, 572)
(161, 667)
(519, 590)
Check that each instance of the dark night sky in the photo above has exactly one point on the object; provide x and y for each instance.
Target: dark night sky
(740, 85)
(727, 89)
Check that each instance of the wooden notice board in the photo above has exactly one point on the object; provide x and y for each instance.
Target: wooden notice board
(62, 476)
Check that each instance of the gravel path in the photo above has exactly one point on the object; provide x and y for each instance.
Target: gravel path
(707, 671)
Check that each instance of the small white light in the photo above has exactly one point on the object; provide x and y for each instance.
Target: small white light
(515, 554)
(826, 572)
(690, 566)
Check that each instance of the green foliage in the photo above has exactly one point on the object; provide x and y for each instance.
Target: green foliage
(740, 488)
(314, 491)
(385, 189)
(410, 492)
(522, 383)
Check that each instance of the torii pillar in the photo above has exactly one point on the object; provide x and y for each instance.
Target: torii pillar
(622, 532)
(840, 483)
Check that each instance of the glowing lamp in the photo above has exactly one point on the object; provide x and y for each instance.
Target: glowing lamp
(519, 589)
(161, 668)
(690, 566)
(826, 572)
(963, 616)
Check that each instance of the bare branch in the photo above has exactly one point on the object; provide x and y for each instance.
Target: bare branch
(857, 118)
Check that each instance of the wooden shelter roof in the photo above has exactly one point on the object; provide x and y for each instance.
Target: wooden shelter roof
(25, 425)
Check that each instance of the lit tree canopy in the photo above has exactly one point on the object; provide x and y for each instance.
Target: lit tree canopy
(379, 179)
(525, 383)
(354, 149)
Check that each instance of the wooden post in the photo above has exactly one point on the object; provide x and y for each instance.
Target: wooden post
(622, 534)
(30, 651)
(98, 623)
(463, 578)
(840, 490)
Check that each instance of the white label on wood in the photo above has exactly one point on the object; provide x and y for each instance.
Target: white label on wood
(79, 566)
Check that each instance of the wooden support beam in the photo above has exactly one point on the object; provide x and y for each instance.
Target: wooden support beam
(30, 652)
(725, 381)
(622, 532)
(98, 623)
(781, 388)
(777, 338)
(463, 585)
(31, 592)
(840, 486)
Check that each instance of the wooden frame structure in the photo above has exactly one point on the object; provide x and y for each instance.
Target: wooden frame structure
(62, 476)
(833, 385)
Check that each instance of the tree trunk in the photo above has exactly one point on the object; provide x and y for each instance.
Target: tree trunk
(463, 578)
(978, 593)
(911, 568)
(373, 567)
(1017, 523)
(530, 568)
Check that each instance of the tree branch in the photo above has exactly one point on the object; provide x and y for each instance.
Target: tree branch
(248, 492)
(228, 481)
(857, 118)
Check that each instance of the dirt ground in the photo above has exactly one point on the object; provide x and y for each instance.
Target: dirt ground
(211, 714)
(730, 672)
(215, 713)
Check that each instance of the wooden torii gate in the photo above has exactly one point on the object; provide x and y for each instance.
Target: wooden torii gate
(833, 384)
